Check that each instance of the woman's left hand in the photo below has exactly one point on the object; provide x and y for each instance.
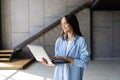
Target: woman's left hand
(58, 58)
(71, 60)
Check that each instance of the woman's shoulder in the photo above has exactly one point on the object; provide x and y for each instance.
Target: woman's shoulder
(59, 39)
(80, 38)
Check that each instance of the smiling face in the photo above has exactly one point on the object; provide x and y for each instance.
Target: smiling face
(65, 25)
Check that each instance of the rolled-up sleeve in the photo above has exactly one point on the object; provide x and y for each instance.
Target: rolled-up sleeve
(84, 52)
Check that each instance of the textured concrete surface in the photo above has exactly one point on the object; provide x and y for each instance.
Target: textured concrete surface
(97, 70)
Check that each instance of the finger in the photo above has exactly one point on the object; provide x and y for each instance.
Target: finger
(43, 58)
(54, 58)
(57, 58)
(45, 61)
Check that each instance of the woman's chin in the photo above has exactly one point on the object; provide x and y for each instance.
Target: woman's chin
(65, 31)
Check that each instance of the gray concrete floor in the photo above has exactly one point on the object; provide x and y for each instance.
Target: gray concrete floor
(97, 70)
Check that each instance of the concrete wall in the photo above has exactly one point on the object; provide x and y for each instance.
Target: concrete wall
(106, 30)
(23, 18)
(49, 38)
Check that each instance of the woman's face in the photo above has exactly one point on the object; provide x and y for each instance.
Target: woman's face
(65, 25)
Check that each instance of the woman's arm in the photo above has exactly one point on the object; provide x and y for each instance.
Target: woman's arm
(84, 52)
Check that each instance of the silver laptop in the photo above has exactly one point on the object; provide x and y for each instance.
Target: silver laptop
(39, 53)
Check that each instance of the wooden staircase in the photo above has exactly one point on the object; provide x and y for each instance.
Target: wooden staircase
(7, 64)
(5, 55)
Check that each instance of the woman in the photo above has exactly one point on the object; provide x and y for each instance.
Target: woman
(71, 46)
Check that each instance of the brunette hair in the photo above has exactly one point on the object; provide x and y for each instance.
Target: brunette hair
(72, 20)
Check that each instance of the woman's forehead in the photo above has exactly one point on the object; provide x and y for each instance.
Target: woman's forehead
(63, 19)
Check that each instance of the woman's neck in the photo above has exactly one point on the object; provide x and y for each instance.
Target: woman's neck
(70, 36)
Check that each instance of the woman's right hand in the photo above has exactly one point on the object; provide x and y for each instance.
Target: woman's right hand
(44, 61)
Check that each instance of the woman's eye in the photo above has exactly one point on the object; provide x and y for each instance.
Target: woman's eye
(66, 23)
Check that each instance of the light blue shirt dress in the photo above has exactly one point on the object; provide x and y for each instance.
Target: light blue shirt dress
(78, 50)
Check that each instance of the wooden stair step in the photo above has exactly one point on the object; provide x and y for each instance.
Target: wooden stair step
(16, 64)
(4, 59)
(6, 51)
(5, 55)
